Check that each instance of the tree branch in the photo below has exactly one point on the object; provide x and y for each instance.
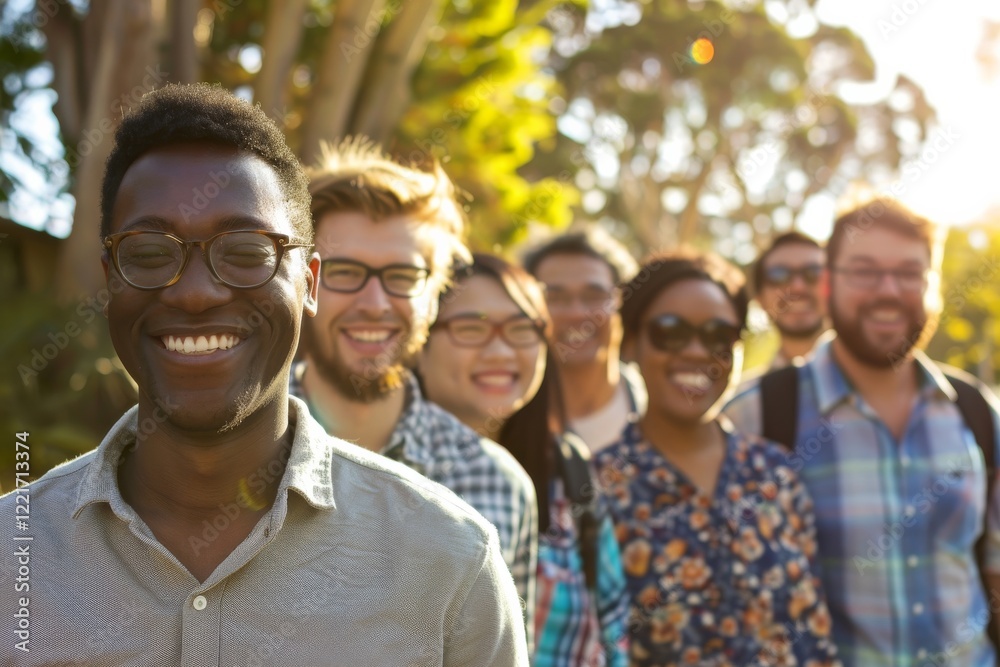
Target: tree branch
(281, 43)
(183, 50)
(387, 94)
(62, 47)
(345, 56)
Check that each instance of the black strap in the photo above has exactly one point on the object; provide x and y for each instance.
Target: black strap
(779, 404)
(582, 493)
(976, 413)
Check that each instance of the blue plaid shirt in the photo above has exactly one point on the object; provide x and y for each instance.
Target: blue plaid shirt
(436, 444)
(896, 520)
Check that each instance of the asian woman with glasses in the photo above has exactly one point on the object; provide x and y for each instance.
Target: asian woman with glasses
(486, 361)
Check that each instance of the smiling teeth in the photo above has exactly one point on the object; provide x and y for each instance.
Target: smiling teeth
(495, 379)
(201, 344)
(695, 380)
(884, 315)
(369, 336)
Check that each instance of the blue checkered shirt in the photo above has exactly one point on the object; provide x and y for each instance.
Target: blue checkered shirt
(896, 520)
(436, 444)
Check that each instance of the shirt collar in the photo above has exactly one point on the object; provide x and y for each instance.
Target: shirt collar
(307, 470)
(833, 387)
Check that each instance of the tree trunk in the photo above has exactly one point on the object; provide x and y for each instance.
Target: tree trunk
(280, 44)
(387, 94)
(345, 57)
(123, 74)
(690, 216)
(63, 47)
(183, 50)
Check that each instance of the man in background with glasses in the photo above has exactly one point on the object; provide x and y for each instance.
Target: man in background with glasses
(892, 449)
(787, 279)
(582, 272)
(218, 523)
(387, 235)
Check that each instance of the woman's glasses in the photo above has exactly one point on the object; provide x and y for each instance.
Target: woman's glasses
(477, 331)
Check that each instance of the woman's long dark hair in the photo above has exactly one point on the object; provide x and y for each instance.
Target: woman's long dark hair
(530, 434)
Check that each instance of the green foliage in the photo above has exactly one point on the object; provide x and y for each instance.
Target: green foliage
(725, 151)
(481, 107)
(58, 361)
(968, 333)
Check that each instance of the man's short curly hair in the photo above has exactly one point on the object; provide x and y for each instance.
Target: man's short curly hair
(205, 113)
(357, 176)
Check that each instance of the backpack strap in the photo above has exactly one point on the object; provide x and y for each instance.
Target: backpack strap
(779, 404)
(581, 490)
(975, 408)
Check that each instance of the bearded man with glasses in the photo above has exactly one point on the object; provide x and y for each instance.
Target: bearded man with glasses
(231, 529)
(388, 235)
(898, 453)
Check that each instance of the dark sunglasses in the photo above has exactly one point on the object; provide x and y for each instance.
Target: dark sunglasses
(670, 333)
(779, 274)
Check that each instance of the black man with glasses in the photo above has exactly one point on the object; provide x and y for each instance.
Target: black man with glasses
(218, 523)
(787, 282)
(716, 531)
(892, 449)
(388, 235)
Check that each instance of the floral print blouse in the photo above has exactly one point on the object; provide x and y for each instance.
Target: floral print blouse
(721, 580)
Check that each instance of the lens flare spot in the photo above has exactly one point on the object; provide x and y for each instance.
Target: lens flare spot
(702, 51)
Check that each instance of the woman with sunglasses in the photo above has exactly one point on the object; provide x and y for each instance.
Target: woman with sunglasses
(717, 533)
(485, 361)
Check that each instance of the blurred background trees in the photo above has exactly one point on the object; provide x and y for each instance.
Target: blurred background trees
(711, 122)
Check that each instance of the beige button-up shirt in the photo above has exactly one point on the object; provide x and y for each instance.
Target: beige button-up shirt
(359, 562)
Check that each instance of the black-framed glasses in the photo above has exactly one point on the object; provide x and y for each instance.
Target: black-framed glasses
(870, 277)
(780, 274)
(592, 298)
(244, 259)
(478, 330)
(670, 333)
(348, 276)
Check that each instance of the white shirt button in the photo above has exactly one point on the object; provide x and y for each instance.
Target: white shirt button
(921, 654)
(918, 608)
(905, 461)
(199, 602)
(912, 561)
(909, 511)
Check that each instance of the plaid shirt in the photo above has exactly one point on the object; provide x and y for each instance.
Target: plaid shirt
(436, 444)
(576, 627)
(896, 520)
